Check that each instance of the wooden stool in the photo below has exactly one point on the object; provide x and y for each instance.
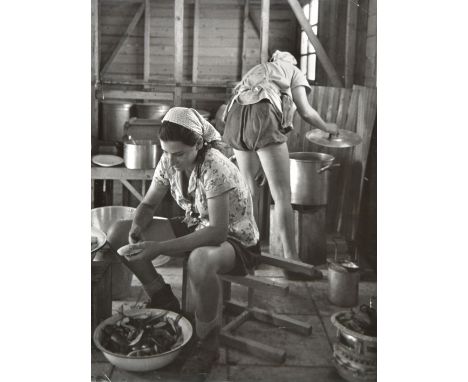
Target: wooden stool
(247, 312)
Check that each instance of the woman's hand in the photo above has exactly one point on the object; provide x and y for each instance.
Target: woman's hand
(332, 128)
(134, 236)
(144, 250)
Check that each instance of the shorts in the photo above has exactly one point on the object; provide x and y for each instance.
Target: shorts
(246, 257)
(252, 127)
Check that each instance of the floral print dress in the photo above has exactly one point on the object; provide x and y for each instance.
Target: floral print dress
(217, 175)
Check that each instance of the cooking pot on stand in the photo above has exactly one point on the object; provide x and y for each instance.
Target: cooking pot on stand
(141, 153)
(310, 177)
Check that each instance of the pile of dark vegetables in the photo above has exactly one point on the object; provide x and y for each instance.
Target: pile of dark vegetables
(142, 335)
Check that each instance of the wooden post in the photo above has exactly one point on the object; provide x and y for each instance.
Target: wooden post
(320, 51)
(350, 44)
(124, 38)
(264, 30)
(95, 68)
(196, 31)
(332, 28)
(147, 42)
(244, 37)
(178, 49)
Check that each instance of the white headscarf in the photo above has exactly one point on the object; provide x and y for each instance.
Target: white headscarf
(283, 56)
(192, 120)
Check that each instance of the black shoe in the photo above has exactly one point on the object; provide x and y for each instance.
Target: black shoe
(164, 299)
(201, 357)
(296, 276)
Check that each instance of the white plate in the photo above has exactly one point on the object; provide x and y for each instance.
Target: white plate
(157, 262)
(107, 160)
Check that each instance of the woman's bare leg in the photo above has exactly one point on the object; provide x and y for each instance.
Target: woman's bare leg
(249, 165)
(204, 264)
(275, 162)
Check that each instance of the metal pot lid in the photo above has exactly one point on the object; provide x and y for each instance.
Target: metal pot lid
(344, 138)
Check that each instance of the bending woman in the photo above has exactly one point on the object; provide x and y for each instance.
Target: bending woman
(218, 230)
(258, 118)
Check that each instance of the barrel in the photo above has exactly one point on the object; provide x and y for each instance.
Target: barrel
(114, 116)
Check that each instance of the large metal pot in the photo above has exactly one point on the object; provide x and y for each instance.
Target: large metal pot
(141, 153)
(114, 116)
(154, 111)
(310, 177)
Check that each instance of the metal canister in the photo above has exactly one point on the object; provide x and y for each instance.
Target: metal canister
(155, 111)
(343, 283)
(114, 116)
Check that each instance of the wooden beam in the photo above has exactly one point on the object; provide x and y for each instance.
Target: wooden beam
(258, 283)
(196, 32)
(123, 39)
(264, 30)
(134, 94)
(320, 51)
(263, 315)
(147, 41)
(94, 67)
(117, 173)
(244, 36)
(253, 347)
(159, 96)
(332, 27)
(132, 189)
(350, 43)
(288, 264)
(178, 49)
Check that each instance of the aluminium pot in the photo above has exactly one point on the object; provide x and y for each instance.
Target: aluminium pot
(310, 177)
(114, 116)
(141, 153)
(155, 111)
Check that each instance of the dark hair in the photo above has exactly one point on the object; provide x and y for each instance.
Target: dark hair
(171, 131)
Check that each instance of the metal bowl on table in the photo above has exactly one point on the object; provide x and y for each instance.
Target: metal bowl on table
(142, 363)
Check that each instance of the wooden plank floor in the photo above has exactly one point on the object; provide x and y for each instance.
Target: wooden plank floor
(308, 358)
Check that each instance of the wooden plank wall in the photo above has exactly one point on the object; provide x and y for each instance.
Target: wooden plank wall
(334, 13)
(220, 37)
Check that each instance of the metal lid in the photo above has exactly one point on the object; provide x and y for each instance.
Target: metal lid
(343, 139)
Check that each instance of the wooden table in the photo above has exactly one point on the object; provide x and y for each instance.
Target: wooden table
(124, 175)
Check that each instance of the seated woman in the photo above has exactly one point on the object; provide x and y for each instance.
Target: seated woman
(218, 231)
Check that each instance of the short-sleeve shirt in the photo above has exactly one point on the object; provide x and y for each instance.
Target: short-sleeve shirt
(269, 81)
(217, 175)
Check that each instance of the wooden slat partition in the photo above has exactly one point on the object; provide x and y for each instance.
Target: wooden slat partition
(354, 110)
(136, 18)
(264, 30)
(95, 67)
(178, 49)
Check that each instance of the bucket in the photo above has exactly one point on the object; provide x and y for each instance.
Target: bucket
(343, 283)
